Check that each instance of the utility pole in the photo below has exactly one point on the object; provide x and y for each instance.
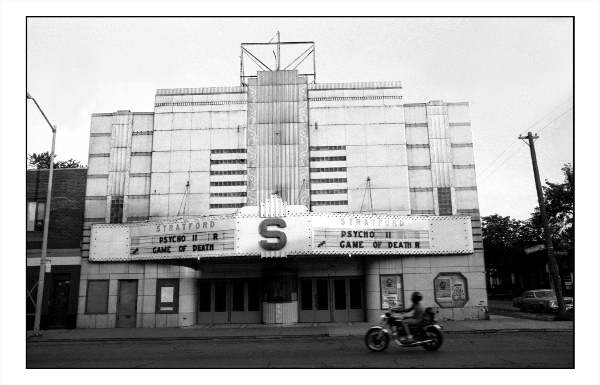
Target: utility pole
(550, 249)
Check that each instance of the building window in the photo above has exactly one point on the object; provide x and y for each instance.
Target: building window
(35, 216)
(97, 297)
(329, 180)
(167, 296)
(334, 191)
(329, 203)
(444, 201)
(328, 169)
(326, 158)
(226, 205)
(116, 209)
(229, 183)
(228, 161)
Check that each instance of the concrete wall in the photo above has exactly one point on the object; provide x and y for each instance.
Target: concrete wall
(190, 127)
(418, 274)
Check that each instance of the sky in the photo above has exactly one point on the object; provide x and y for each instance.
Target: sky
(517, 75)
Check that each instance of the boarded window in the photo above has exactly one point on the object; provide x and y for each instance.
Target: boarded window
(97, 297)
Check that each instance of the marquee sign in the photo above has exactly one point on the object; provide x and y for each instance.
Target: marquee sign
(297, 232)
(375, 234)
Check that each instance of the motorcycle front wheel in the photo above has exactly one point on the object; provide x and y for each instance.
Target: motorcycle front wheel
(376, 340)
(436, 338)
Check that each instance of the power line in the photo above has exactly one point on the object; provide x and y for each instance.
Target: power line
(513, 142)
(506, 149)
(558, 117)
(501, 164)
(555, 119)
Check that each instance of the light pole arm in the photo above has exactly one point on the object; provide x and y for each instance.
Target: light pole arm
(53, 128)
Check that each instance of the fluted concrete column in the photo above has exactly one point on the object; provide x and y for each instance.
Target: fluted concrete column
(187, 297)
(372, 294)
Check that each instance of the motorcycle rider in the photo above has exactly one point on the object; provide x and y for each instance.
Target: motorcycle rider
(418, 312)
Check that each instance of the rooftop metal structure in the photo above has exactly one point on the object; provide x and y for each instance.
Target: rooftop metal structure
(255, 56)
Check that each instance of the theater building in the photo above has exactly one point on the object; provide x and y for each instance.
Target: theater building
(280, 201)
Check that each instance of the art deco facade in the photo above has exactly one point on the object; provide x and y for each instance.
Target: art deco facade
(280, 201)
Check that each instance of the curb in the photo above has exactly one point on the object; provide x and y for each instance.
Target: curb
(499, 331)
(35, 340)
(148, 339)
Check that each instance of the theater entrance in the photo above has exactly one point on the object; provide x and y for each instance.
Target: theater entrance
(229, 301)
(331, 299)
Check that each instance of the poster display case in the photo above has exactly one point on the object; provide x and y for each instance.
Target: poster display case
(391, 291)
(451, 290)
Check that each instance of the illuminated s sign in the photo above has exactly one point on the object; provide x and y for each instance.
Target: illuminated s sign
(279, 235)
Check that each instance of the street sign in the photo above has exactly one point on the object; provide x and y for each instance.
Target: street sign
(533, 249)
(48, 266)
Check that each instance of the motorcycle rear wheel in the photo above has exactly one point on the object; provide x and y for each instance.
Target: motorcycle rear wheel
(436, 338)
(376, 341)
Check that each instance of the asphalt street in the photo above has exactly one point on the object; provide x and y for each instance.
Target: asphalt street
(505, 350)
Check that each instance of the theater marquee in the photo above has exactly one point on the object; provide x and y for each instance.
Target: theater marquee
(294, 233)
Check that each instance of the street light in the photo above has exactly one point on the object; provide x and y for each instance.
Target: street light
(40, 292)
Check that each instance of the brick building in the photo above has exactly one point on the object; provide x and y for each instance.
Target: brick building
(61, 288)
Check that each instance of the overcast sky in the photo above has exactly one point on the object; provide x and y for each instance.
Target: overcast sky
(516, 73)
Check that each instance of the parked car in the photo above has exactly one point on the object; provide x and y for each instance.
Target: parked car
(540, 300)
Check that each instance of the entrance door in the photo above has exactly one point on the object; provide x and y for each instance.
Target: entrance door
(59, 301)
(229, 301)
(338, 299)
(127, 304)
(347, 300)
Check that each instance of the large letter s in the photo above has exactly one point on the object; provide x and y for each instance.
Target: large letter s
(280, 235)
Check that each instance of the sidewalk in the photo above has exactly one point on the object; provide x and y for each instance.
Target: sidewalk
(496, 324)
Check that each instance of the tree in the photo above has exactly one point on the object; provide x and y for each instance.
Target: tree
(41, 161)
(560, 208)
(504, 241)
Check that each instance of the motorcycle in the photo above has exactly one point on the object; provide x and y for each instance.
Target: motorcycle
(426, 333)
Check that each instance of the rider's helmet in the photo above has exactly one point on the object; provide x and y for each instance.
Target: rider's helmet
(416, 297)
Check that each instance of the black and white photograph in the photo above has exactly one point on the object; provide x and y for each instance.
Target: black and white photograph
(325, 195)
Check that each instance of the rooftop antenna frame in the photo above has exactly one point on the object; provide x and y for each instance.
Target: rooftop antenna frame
(245, 53)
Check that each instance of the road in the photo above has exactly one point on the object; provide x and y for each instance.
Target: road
(496, 350)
